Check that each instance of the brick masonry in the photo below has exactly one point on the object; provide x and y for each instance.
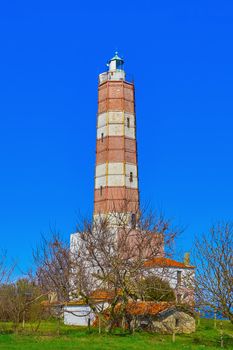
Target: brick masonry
(116, 148)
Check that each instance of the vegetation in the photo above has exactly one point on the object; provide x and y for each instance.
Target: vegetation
(214, 273)
(20, 302)
(116, 266)
(206, 337)
(107, 257)
(154, 288)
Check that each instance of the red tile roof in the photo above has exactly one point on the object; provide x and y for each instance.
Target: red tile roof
(99, 295)
(145, 307)
(103, 294)
(166, 262)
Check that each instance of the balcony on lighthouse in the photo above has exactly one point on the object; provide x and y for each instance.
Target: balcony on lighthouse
(115, 70)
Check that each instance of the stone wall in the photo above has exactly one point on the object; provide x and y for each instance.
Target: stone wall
(167, 323)
(178, 322)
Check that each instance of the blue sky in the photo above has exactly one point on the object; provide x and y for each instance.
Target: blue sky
(180, 54)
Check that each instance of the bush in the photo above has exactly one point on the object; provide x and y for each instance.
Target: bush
(155, 289)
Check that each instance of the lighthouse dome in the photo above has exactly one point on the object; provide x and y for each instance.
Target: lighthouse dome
(116, 63)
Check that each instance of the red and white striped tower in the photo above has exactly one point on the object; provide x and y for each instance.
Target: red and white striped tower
(116, 174)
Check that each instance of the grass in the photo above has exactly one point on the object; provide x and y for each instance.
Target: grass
(78, 338)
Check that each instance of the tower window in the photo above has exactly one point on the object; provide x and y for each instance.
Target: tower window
(178, 278)
(101, 190)
(102, 137)
(131, 177)
(178, 297)
(128, 122)
(133, 220)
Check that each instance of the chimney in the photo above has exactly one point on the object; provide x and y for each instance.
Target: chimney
(187, 259)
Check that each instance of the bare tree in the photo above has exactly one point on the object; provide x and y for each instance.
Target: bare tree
(53, 266)
(107, 254)
(62, 276)
(6, 269)
(214, 277)
(111, 252)
(20, 302)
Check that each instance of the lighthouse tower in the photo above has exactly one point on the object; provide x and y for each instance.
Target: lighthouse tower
(116, 172)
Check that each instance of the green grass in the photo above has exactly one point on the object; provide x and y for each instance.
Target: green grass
(77, 338)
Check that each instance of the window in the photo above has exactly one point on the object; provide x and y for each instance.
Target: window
(178, 278)
(131, 177)
(128, 122)
(101, 190)
(102, 137)
(133, 220)
(178, 297)
(177, 322)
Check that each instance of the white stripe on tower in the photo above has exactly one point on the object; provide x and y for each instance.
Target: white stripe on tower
(119, 124)
(118, 175)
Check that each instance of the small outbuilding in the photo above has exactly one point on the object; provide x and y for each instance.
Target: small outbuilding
(160, 317)
(80, 313)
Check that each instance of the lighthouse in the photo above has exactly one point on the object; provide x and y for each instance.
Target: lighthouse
(116, 169)
(124, 244)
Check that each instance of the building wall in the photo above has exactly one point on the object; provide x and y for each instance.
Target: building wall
(78, 315)
(168, 323)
